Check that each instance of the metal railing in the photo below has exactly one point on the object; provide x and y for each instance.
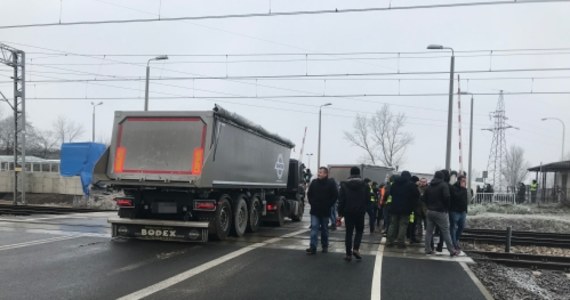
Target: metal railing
(500, 198)
(32, 167)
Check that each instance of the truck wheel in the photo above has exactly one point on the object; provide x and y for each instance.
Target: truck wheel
(254, 215)
(299, 213)
(223, 220)
(240, 219)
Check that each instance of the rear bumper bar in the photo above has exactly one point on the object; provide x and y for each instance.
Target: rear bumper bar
(160, 230)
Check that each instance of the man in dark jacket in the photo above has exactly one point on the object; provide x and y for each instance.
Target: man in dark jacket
(405, 195)
(354, 199)
(458, 210)
(437, 198)
(322, 195)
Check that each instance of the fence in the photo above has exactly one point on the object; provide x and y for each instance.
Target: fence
(500, 198)
(48, 166)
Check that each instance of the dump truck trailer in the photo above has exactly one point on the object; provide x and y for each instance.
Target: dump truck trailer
(191, 175)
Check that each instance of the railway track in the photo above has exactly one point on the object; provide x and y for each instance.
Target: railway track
(521, 238)
(531, 261)
(26, 210)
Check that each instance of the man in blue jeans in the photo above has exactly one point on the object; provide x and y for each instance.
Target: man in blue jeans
(458, 210)
(322, 195)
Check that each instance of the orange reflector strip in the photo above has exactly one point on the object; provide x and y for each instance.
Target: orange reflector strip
(120, 159)
(197, 161)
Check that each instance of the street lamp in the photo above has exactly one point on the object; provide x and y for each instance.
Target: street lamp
(319, 151)
(469, 167)
(450, 109)
(161, 57)
(309, 156)
(93, 121)
(563, 133)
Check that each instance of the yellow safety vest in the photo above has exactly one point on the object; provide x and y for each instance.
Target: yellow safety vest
(533, 187)
(372, 195)
(389, 200)
(412, 217)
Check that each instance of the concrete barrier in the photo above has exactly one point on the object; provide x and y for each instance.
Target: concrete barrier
(43, 183)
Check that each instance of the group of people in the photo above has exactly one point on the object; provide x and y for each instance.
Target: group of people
(405, 206)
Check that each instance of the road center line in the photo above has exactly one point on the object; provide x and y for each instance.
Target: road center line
(202, 268)
(376, 292)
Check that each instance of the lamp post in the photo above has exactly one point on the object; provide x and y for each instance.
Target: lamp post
(309, 158)
(469, 167)
(319, 151)
(450, 109)
(93, 121)
(563, 133)
(161, 57)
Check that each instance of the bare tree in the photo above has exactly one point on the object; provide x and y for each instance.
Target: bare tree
(46, 143)
(381, 136)
(7, 139)
(67, 131)
(516, 168)
(360, 137)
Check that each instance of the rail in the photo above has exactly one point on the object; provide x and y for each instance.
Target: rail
(26, 210)
(522, 238)
(544, 262)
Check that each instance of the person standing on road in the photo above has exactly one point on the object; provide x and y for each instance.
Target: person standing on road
(437, 198)
(354, 198)
(458, 210)
(387, 203)
(322, 195)
(404, 194)
(372, 204)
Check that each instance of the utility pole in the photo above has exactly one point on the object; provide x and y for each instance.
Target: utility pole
(17, 60)
(93, 119)
(498, 153)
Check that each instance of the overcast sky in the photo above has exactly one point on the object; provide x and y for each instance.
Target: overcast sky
(496, 27)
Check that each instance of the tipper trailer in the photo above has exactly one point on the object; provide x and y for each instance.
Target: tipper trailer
(187, 175)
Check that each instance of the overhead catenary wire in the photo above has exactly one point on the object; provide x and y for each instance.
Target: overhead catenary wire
(334, 11)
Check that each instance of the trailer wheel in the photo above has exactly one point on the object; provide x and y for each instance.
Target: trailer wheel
(254, 215)
(223, 220)
(299, 214)
(280, 212)
(240, 219)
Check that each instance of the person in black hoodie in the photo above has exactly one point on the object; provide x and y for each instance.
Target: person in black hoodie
(405, 195)
(354, 198)
(322, 195)
(458, 210)
(437, 198)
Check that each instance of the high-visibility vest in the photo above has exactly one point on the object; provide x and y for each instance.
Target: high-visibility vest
(412, 217)
(372, 195)
(389, 200)
(533, 187)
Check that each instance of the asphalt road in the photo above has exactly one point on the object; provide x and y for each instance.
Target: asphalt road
(73, 257)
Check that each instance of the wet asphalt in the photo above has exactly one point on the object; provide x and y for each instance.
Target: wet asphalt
(74, 257)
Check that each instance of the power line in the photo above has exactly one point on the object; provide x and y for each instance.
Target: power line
(277, 14)
(323, 75)
(394, 54)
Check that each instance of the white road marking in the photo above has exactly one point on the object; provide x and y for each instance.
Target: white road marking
(202, 268)
(37, 242)
(376, 292)
(478, 283)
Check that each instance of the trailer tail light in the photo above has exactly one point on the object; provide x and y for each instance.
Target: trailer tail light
(271, 207)
(197, 161)
(209, 205)
(124, 202)
(120, 159)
